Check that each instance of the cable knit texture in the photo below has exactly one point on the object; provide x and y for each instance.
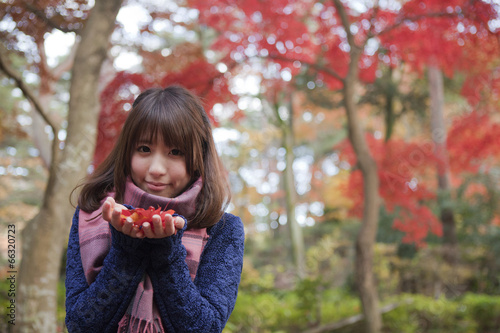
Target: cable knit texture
(202, 305)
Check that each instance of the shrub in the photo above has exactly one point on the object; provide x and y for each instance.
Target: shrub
(285, 312)
(484, 310)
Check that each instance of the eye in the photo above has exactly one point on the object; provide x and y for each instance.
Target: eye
(143, 149)
(176, 152)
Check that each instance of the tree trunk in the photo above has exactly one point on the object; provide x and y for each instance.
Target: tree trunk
(288, 141)
(365, 240)
(439, 135)
(45, 237)
(390, 116)
(291, 196)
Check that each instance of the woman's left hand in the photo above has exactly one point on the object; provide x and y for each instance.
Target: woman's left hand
(157, 230)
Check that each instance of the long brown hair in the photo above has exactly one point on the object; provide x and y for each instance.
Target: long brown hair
(178, 116)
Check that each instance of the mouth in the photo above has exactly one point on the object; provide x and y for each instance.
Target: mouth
(156, 187)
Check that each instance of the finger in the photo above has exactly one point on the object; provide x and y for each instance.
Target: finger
(148, 232)
(116, 215)
(158, 226)
(169, 225)
(179, 222)
(115, 219)
(127, 226)
(137, 232)
(107, 208)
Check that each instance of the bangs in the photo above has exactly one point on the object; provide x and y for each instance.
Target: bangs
(163, 129)
(164, 120)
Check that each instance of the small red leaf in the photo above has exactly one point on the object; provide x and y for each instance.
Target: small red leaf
(140, 215)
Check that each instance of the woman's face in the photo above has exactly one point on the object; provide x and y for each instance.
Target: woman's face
(159, 169)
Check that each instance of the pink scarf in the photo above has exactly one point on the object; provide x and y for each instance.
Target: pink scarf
(95, 241)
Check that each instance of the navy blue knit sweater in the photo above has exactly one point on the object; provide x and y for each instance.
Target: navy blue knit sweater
(202, 305)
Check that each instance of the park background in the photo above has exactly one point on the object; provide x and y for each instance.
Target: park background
(361, 140)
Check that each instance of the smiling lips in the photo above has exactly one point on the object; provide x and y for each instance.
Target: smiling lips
(153, 186)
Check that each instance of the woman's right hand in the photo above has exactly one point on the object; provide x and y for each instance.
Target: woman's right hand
(111, 212)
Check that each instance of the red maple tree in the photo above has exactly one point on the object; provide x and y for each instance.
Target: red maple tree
(453, 35)
(119, 94)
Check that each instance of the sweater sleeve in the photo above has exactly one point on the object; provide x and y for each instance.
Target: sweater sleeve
(205, 304)
(98, 307)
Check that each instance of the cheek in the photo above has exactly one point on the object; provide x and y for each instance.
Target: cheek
(180, 170)
(136, 167)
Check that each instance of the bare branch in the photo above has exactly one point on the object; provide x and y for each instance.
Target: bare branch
(279, 122)
(373, 18)
(415, 18)
(345, 23)
(316, 66)
(28, 93)
(326, 70)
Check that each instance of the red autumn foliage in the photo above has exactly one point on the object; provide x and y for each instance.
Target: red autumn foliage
(404, 170)
(140, 215)
(473, 142)
(482, 90)
(202, 78)
(116, 100)
(407, 171)
(274, 28)
(293, 33)
(435, 32)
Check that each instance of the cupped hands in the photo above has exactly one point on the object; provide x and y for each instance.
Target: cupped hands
(111, 212)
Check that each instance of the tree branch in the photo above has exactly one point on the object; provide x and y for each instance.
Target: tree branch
(316, 66)
(376, 9)
(279, 122)
(51, 23)
(345, 22)
(28, 93)
(415, 18)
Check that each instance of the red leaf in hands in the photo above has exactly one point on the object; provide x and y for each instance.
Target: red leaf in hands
(140, 215)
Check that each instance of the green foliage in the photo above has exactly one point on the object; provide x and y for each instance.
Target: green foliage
(388, 96)
(290, 311)
(254, 281)
(338, 304)
(4, 303)
(61, 300)
(384, 263)
(475, 207)
(331, 250)
(254, 313)
(469, 314)
(427, 314)
(400, 320)
(484, 309)
(285, 312)
(385, 231)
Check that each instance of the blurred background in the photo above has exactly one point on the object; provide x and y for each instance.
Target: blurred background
(361, 139)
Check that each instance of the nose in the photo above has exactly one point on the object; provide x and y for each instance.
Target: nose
(158, 165)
